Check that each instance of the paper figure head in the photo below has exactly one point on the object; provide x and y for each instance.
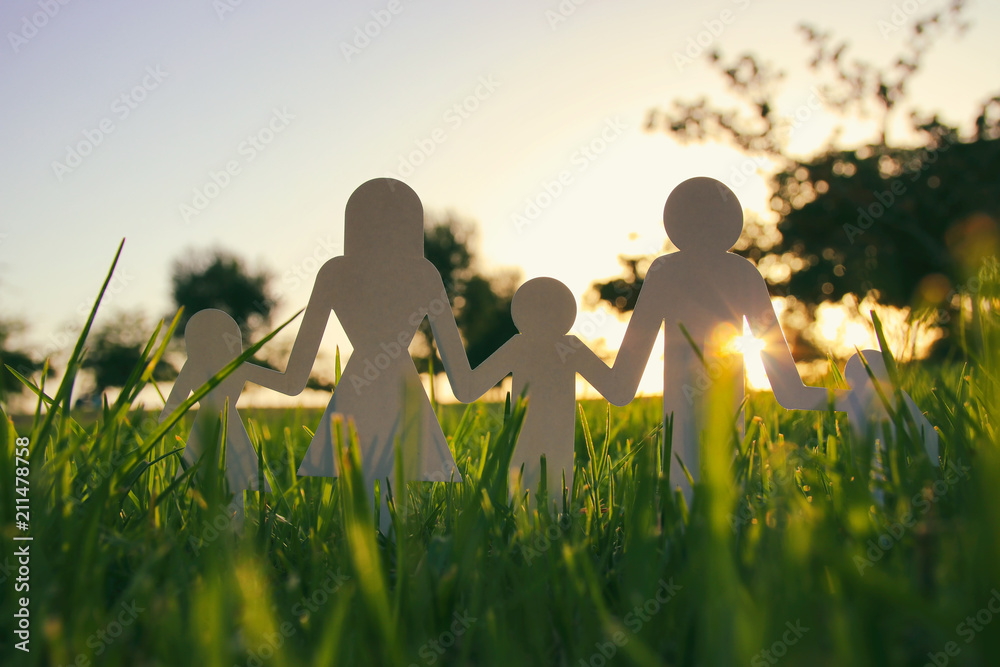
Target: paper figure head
(543, 306)
(856, 374)
(213, 338)
(703, 215)
(384, 220)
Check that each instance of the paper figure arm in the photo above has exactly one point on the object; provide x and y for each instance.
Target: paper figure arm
(265, 377)
(184, 384)
(487, 374)
(300, 362)
(789, 390)
(598, 374)
(449, 343)
(643, 328)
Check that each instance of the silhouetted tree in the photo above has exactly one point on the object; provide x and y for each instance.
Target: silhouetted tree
(909, 223)
(21, 361)
(622, 292)
(219, 279)
(115, 349)
(484, 318)
(481, 303)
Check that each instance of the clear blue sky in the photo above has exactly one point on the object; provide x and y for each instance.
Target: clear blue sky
(198, 82)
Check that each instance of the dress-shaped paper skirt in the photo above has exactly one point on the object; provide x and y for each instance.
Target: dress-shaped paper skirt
(389, 408)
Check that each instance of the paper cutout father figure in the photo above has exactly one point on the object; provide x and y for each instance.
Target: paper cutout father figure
(709, 291)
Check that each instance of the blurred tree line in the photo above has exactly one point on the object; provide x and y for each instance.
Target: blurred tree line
(481, 303)
(910, 222)
(22, 361)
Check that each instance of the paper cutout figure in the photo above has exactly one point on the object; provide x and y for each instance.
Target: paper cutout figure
(864, 407)
(709, 291)
(544, 358)
(213, 339)
(381, 289)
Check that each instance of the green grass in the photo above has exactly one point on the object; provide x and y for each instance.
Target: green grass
(133, 566)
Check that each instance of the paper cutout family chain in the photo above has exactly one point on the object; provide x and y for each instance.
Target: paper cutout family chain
(382, 288)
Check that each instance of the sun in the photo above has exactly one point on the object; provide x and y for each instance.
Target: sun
(751, 348)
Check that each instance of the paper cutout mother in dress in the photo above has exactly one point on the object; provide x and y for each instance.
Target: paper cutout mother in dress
(708, 291)
(381, 289)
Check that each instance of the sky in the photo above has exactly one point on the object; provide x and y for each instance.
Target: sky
(246, 125)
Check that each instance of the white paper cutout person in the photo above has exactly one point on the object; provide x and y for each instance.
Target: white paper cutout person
(544, 358)
(213, 339)
(865, 408)
(381, 289)
(709, 291)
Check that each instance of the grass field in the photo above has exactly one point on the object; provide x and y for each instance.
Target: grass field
(788, 555)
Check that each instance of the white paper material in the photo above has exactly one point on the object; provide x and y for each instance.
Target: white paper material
(709, 291)
(544, 359)
(865, 408)
(213, 339)
(381, 289)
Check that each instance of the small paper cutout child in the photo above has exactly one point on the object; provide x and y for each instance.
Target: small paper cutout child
(864, 406)
(213, 339)
(545, 359)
